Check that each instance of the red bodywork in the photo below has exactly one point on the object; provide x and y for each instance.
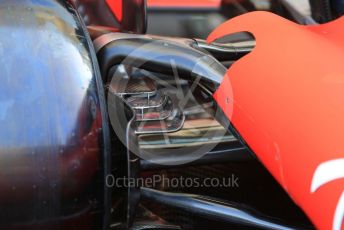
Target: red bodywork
(286, 100)
(288, 105)
(190, 3)
(183, 3)
(116, 6)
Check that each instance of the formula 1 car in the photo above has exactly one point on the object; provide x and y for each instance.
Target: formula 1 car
(199, 114)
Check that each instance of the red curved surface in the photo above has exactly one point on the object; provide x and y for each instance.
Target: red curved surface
(288, 105)
(116, 7)
(183, 3)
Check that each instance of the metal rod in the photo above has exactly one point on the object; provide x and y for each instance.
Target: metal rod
(211, 209)
(236, 154)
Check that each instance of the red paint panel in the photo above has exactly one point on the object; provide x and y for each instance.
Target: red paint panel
(116, 7)
(288, 105)
(184, 3)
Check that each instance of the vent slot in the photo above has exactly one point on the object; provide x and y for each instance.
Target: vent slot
(155, 111)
